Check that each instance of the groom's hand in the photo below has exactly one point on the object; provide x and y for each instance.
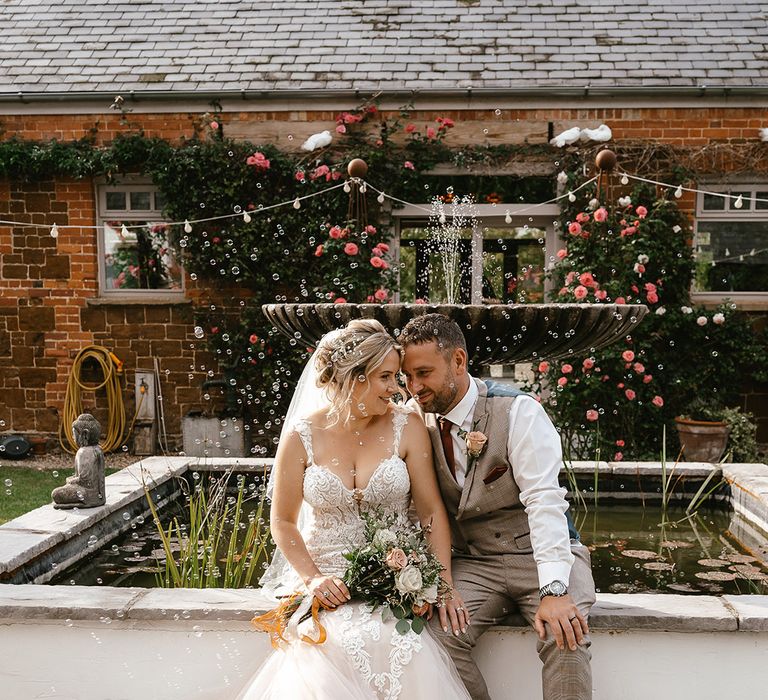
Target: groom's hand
(564, 620)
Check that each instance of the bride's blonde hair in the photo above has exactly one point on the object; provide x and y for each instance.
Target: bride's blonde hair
(348, 357)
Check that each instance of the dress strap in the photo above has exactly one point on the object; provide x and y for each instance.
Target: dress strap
(399, 419)
(304, 428)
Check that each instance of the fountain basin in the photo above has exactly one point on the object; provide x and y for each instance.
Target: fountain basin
(495, 334)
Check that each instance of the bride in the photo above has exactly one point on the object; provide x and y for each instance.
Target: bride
(347, 449)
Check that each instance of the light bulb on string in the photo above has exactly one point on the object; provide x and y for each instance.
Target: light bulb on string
(508, 218)
(297, 203)
(679, 191)
(571, 197)
(124, 231)
(364, 187)
(246, 217)
(187, 226)
(54, 231)
(624, 180)
(380, 198)
(739, 203)
(347, 187)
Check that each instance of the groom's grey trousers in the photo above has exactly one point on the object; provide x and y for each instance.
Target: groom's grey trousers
(492, 587)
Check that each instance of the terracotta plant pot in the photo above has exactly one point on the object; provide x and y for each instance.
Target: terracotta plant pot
(701, 440)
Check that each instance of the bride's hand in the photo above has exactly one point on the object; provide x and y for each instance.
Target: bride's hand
(329, 590)
(453, 612)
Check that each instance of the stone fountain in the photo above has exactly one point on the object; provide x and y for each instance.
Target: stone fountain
(495, 334)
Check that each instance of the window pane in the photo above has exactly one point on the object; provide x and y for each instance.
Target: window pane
(761, 205)
(739, 251)
(141, 201)
(116, 201)
(159, 202)
(713, 203)
(141, 258)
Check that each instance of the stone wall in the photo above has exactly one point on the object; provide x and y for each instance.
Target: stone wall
(49, 303)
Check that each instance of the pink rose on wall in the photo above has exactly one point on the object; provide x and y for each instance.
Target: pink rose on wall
(580, 292)
(620, 300)
(574, 228)
(318, 251)
(638, 367)
(380, 295)
(628, 356)
(618, 457)
(589, 363)
(253, 339)
(641, 212)
(258, 160)
(562, 253)
(562, 381)
(601, 215)
(408, 165)
(647, 379)
(335, 232)
(601, 295)
(543, 366)
(587, 279)
(566, 369)
(592, 414)
(377, 262)
(652, 297)
(410, 128)
(341, 129)
(630, 394)
(431, 133)
(351, 249)
(340, 300)
(657, 401)
(582, 217)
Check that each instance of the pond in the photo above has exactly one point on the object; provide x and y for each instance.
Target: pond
(632, 552)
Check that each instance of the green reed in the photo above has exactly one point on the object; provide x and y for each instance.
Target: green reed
(218, 549)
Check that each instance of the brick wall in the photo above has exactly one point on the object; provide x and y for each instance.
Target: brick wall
(48, 286)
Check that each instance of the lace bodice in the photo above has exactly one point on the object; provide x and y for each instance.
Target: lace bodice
(335, 525)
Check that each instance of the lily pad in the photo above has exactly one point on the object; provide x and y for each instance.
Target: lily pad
(640, 554)
(716, 575)
(658, 566)
(741, 558)
(676, 544)
(713, 563)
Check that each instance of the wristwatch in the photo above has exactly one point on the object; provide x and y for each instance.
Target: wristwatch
(556, 589)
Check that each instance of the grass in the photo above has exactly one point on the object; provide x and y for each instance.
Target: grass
(29, 489)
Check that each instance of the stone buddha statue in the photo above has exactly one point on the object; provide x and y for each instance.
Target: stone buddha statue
(85, 488)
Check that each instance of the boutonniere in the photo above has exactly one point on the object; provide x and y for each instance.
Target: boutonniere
(476, 443)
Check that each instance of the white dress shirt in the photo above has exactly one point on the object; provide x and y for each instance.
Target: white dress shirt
(535, 453)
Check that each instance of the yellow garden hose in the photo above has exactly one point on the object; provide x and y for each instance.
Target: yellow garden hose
(115, 433)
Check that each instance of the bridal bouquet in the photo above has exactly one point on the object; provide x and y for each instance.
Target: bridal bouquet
(395, 569)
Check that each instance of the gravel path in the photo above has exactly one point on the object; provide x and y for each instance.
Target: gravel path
(62, 460)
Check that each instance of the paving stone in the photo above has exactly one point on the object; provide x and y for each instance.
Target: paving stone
(752, 611)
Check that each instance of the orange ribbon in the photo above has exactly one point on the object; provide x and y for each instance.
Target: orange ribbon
(275, 622)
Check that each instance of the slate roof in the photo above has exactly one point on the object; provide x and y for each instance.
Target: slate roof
(112, 47)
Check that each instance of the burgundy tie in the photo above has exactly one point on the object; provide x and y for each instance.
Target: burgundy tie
(447, 440)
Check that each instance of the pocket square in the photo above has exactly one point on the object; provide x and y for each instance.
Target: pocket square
(495, 473)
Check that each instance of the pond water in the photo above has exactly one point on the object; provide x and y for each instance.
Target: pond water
(642, 550)
(632, 552)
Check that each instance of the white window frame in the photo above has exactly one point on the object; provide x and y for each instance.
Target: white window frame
(743, 300)
(103, 215)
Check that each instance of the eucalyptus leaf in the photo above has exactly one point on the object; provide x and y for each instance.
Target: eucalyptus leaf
(403, 626)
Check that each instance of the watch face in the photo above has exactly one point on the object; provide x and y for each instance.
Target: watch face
(558, 587)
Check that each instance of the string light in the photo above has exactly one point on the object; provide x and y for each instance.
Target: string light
(297, 203)
(624, 180)
(679, 191)
(739, 203)
(54, 231)
(347, 187)
(124, 231)
(571, 197)
(380, 198)
(187, 226)
(508, 218)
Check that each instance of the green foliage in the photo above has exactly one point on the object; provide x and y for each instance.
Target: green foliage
(639, 253)
(217, 549)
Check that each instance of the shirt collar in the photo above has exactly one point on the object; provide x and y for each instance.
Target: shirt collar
(462, 410)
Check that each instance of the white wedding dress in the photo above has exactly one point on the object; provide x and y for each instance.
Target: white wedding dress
(363, 657)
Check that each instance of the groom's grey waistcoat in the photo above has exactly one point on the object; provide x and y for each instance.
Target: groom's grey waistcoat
(486, 516)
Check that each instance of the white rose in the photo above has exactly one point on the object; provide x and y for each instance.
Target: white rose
(625, 201)
(719, 319)
(686, 309)
(429, 595)
(408, 580)
(384, 538)
(661, 311)
(593, 203)
(562, 177)
(642, 259)
(702, 320)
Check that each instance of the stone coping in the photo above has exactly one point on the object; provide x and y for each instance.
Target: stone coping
(620, 611)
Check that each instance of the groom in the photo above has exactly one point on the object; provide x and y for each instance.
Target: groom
(497, 457)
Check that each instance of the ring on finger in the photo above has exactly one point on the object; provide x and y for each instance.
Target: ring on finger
(325, 594)
(459, 609)
(571, 619)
